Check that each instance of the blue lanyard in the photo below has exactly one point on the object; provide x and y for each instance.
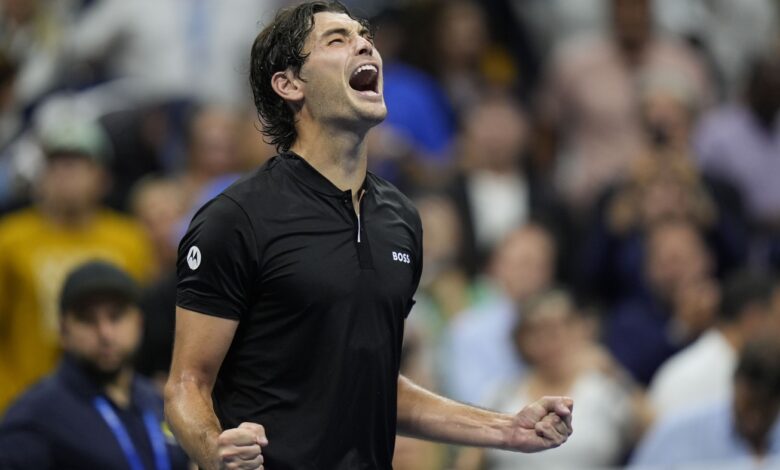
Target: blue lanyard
(152, 428)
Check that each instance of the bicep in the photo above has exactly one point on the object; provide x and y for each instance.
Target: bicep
(200, 345)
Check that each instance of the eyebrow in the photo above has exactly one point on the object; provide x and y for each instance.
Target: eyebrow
(345, 32)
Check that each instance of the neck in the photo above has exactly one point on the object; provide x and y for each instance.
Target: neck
(66, 217)
(338, 154)
(118, 389)
(555, 379)
(732, 335)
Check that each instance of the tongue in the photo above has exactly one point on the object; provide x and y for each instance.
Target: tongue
(363, 80)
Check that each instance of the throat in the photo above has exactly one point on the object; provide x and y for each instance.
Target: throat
(339, 158)
(119, 389)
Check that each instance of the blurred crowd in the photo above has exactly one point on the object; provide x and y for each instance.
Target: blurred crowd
(598, 181)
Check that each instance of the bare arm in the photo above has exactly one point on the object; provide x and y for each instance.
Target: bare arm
(541, 425)
(200, 346)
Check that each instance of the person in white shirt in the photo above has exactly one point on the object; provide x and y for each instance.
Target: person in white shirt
(703, 371)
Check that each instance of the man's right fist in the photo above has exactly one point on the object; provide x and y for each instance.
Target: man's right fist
(241, 447)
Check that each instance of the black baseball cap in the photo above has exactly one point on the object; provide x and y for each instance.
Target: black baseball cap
(96, 278)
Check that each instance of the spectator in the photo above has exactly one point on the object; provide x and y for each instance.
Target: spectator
(413, 145)
(740, 432)
(661, 186)
(452, 41)
(40, 244)
(31, 33)
(445, 289)
(157, 203)
(730, 33)
(212, 139)
(62, 422)
(556, 343)
(702, 372)
(740, 142)
(642, 330)
(480, 354)
(495, 191)
(164, 50)
(590, 122)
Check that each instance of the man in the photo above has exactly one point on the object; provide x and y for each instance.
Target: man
(39, 245)
(643, 329)
(739, 143)
(295, 283)
(482, 354)
(93, 412)
(703, 371)
(737, 433)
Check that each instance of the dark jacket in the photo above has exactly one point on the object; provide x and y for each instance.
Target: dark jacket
(56, 425)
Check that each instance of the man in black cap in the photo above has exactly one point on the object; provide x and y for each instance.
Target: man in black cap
(93, 412)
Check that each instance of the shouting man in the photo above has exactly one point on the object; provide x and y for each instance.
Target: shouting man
(295, 282)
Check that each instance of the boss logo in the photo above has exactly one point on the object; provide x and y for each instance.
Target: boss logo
(402, 257)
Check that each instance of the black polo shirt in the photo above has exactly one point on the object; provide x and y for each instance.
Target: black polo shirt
(320, 295)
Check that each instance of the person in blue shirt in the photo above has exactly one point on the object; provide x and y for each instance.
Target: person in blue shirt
(93, 412)
(742, 432)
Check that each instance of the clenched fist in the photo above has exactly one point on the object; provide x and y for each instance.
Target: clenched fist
(241, 448)
(544, 424)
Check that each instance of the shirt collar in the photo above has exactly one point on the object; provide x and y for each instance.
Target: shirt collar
(302, 171)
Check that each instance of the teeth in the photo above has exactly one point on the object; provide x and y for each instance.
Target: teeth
(365, 67)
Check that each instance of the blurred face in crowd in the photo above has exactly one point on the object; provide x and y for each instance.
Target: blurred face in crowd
(675, 256)
(462, 33)
(632, 23)
(524, 263)
(496, 135)
(755, 412)
(548, 335)
(341, 80)
(103, 334)
(71, 183)
(159, 206)
(441, 231)
(213, 142)
(667, 121)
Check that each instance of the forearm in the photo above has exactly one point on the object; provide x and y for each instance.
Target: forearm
(190, 413)
(426, 415)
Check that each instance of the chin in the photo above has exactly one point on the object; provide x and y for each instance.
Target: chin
(374, 113)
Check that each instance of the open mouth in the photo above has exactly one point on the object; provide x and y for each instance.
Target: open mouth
(365, 79)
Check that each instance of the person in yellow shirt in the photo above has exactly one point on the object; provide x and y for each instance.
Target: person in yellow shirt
(39, 245)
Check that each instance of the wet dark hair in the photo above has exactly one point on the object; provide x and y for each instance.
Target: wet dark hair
(279, 47)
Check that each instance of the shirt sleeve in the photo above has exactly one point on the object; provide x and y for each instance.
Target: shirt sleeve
(218, 260)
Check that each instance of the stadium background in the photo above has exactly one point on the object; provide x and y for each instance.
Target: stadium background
(625, 152)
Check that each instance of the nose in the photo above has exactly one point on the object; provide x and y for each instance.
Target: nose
(365, 47)
(105, 329)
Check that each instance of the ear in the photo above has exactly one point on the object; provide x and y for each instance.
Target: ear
(288, 86)
(62, 329)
